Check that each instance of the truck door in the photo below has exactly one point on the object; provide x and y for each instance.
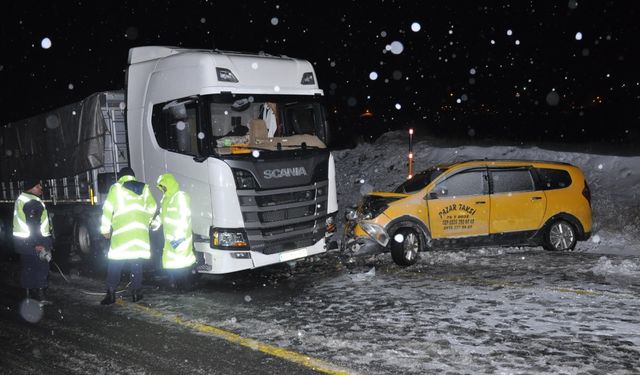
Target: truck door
(459, 205)
(175, 124)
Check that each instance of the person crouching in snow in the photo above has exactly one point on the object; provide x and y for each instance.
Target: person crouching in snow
(175, 218)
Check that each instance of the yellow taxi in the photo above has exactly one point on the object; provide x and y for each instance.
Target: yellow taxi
(474, 203)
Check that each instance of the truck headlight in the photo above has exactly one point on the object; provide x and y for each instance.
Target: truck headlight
(228, 239)
(376, 232)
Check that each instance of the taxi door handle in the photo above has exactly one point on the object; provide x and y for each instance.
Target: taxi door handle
(536, 198)
(481, 202)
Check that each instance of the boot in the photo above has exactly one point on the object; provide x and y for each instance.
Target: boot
(136, 295)
(186, 283)
(109, 298)
(41, 296)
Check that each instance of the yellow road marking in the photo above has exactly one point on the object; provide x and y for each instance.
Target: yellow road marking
(291, 356)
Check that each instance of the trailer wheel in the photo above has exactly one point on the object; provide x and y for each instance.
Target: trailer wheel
(82, 239)
(88, 247)
(4, 230)
(5, 239)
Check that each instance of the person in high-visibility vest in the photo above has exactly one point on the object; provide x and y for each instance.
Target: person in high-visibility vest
(126, 215)
(175, 218)
(32, 240)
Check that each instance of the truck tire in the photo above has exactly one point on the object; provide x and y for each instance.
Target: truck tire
(4, 232)
(88, 246)
(6, 239)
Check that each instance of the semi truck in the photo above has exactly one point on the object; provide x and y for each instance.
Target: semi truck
(245, 135)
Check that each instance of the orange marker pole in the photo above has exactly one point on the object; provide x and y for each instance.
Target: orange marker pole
(410, 153)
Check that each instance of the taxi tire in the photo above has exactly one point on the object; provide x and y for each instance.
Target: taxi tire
(405, 253)
(560, 235)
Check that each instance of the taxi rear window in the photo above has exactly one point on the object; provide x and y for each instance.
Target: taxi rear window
(553, 178)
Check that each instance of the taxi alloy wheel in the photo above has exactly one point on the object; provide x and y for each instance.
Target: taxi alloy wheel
(405, 246)
(560, 236)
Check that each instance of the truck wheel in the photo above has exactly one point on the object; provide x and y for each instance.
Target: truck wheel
(88, 248)
(4, 232)
(5, 239)
(560, 236)
(82, 240)
(405, 246)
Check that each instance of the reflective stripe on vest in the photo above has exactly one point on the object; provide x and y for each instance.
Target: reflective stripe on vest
(176, 224)
(20, 227)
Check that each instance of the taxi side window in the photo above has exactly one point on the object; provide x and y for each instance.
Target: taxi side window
(511, 180)
(464, 183)
(553, 178)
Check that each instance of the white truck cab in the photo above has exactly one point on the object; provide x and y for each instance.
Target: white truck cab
(244, 134)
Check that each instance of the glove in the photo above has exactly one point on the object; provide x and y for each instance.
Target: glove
(176, 243)
(155, 221)
(44, 255)
(155, 225)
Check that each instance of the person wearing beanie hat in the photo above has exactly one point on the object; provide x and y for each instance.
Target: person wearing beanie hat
(30, 183)
(126, 171)
(32, 240)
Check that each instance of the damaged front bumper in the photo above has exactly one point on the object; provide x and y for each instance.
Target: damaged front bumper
(363, 239)
(361, 246)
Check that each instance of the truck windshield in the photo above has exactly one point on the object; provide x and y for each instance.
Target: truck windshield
(259, 120)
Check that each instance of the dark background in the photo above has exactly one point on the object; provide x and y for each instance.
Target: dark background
(461, 75)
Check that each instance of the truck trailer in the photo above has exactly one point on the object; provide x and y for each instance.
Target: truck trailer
(246, 136)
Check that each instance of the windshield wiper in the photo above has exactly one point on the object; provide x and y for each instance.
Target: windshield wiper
(302, 145)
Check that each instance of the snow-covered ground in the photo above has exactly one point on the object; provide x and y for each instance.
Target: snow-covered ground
(489, 310)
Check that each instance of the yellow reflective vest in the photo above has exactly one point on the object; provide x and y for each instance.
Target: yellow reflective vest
(175, 217)
(20, 226)
(126, 214)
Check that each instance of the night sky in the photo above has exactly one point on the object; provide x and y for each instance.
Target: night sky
(521, 70)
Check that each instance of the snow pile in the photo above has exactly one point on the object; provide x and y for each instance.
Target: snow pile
(606, 267)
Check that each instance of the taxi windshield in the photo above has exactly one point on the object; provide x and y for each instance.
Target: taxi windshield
(420, 180)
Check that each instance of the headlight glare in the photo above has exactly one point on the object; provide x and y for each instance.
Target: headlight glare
(376, 232)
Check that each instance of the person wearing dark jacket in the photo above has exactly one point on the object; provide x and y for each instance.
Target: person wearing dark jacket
(32, 240)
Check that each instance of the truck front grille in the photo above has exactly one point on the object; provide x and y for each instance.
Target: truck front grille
(283, 219)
